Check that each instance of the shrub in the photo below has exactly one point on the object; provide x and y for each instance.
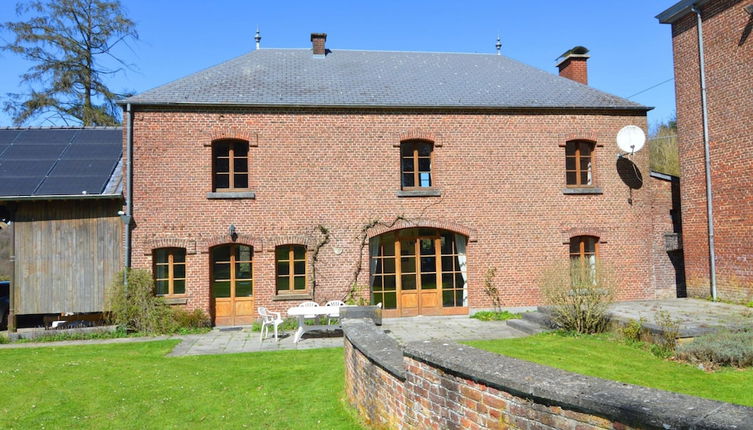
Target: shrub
(579, 297)
(495, 315)
(191, 319)
(670, 329)
(725, 349)
(632, 331)
(135, 308)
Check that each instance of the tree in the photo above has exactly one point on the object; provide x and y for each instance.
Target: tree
(663, 142)
(67, 40)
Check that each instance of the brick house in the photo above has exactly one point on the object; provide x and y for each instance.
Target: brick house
(726, 27)
(287, 175)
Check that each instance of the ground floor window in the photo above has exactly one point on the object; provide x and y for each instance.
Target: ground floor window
(290, 262)
(169, 271)
(583, 254)
(418, 270)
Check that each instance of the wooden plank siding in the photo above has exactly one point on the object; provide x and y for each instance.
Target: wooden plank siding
(67, 252)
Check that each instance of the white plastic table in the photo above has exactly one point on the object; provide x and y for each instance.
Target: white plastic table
(303, 312)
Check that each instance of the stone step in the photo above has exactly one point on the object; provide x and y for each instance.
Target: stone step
(525, 326)
(539, 318)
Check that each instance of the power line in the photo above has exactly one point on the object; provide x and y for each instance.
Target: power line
(651, 87)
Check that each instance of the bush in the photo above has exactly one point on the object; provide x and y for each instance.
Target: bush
(725, 349)
(195, 319)
(135, 308)
(579, 297)
(669, 330)
(495, 315)
(632, 331)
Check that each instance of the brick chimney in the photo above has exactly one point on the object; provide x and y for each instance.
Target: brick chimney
(317, 44)
(573, 65)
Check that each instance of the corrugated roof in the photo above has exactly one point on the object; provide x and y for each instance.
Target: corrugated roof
(294, 77)
(60, 162)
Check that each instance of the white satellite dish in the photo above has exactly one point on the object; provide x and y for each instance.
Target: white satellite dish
(631, 139)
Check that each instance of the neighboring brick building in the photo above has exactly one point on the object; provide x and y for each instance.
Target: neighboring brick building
(728, 59)
(272, 178)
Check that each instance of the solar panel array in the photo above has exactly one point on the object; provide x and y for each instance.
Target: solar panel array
(57, 161)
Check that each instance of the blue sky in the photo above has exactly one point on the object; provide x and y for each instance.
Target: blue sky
(630, 50)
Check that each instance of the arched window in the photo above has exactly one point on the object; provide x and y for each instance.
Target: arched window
(291, 268)
(584, 251)
(169, 271)
(230, 165)
(579, 165)
(415, 164)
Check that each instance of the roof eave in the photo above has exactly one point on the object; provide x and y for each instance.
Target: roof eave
(359, 106)
(678, 10)
(61, 197)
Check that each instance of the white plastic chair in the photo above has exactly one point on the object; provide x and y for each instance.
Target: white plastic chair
(337, 303)
(309, 305)
(269, 318)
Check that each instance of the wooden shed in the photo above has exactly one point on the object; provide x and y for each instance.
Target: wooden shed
(61, 191)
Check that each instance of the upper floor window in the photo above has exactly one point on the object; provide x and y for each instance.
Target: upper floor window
(230, 165)
(170, 271)
(579, 171)
(290, 261)
(415, 164)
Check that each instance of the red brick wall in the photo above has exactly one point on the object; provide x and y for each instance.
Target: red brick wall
(669, 276)
(728, 46)
(501, 176)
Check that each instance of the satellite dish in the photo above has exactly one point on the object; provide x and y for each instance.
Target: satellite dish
(631, 139)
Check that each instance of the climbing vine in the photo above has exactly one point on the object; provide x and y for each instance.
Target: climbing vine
(324, 240)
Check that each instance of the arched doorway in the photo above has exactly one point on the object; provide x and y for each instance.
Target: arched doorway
(419, 271)
(232, 276)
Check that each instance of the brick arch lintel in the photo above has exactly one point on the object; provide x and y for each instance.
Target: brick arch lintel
(241, 239)
(419, 134)
(292, 239)
(587, 135)
(569, 233)
(222, 133)
(171, 242)
(470, 233)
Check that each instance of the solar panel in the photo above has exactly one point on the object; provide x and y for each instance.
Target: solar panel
(7, 136)
(33, 152)
(18, 186)
(24, 168)
(72, 185)
(68, 168)
(99, 136)
(92, 151)
(45, 136)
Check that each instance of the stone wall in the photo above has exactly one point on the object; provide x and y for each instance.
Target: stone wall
(444, 385)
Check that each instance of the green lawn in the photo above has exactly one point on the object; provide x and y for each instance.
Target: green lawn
(599, 356)
(136, 386)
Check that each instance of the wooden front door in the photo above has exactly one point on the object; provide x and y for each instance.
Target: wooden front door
(418, 290)
(232, 284)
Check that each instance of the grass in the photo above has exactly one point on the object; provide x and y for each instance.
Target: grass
(135, 386)
(495, 315)
(603, 357)
(52, 336)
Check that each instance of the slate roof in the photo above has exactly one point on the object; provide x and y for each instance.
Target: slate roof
(294, 77)
(58, 162)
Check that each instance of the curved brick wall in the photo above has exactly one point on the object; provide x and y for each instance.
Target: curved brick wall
(446, 385)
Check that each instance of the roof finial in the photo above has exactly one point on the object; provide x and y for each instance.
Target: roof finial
(258, 38)
(498, 44)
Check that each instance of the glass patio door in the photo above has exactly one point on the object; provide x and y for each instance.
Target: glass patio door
(232, 284)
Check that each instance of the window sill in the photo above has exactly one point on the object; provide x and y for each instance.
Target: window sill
(428, 192)
(286, 297)
(175, 300)
(584, 190)
(232, 195)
